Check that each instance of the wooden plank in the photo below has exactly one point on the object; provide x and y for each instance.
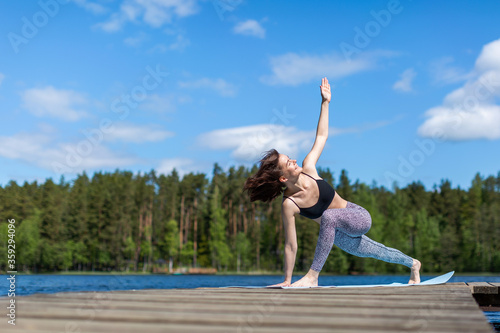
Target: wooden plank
(50, 326)
(405, 302)
(249, 295)
(448, 284)
(490, 308)
(482, 288)
(368, 304)
(485, 294)
(31, 308)
(265, 319)
(232, 299)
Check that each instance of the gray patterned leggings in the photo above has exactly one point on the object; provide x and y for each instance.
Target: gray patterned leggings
(345, 227)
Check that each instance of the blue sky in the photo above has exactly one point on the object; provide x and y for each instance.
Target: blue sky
(157, 84)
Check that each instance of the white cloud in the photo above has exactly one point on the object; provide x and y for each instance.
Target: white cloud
(220, 86)
(1, 78)
(136, 40)
(470, 112)
(135, 133)
(180, 43)
(155, 13)
(181, 165)
(250, 28)
(443, 73)
(248, 143)
(114, 24)
(22, 146)
(406, 80)
(457, 125)
(62, 158)
(90, 6)
(58, 103)
(292, 69)
(363, 127)
(46, 128)
(160, 48)
(158, 103)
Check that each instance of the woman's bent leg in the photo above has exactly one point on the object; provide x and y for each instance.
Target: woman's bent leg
(326, 239)
(354, 219)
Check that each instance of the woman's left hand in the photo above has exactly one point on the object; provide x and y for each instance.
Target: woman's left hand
(325, 90)
(282, 284)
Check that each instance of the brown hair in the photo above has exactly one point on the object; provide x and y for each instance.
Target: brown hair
(265, 184)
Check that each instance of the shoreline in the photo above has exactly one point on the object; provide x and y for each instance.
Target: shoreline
(243, 273)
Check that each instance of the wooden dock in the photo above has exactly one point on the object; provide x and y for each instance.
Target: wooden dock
(440, 308)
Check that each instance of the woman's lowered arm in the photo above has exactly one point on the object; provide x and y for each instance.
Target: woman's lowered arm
(290, 243)
(288, 210)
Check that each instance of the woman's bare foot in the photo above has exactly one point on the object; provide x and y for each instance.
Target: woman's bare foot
(415, 272)
(308, 280)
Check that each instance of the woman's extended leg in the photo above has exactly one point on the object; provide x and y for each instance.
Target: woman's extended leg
(363, 246)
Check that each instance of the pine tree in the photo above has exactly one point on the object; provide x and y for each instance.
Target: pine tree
(218, 245)
(344, 188)
(28, 242)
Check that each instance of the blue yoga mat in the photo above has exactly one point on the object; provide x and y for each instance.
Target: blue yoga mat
(437, 280)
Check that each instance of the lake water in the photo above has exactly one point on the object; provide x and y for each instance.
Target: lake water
(46, 283)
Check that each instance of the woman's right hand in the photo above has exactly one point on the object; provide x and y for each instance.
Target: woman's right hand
(282, 284)
(326, 93)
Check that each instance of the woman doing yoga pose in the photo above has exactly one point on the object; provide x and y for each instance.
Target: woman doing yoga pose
(342, 223)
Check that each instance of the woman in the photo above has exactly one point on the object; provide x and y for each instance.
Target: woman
(342, 223)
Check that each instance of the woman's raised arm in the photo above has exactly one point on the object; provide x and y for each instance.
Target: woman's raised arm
(322, 130)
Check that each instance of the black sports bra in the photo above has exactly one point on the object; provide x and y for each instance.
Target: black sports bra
(326, 195)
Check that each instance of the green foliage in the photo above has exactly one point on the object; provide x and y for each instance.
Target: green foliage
(243, 248)
(28, 242)
(187, 253)
(218, 241)
(123, 221)
(170, 245)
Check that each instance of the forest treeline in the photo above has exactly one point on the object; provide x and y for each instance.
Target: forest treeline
(145, 222)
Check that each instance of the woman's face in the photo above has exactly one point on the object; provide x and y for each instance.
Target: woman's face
(289, 166)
